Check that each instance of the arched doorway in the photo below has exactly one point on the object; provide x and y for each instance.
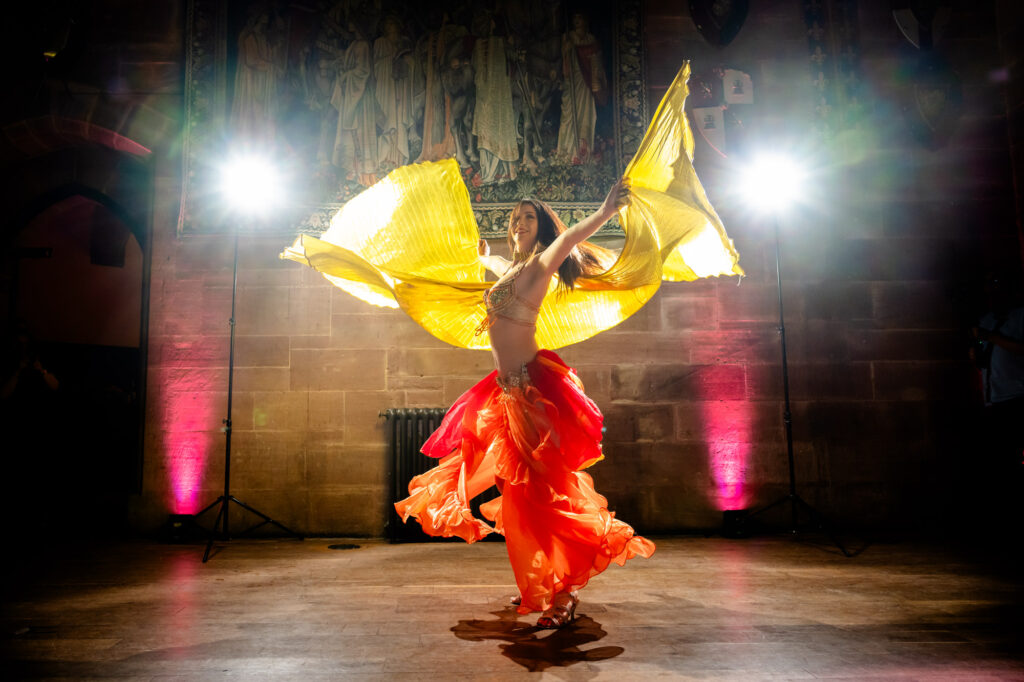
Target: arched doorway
(75, 312)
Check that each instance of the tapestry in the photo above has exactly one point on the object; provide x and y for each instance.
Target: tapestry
(531, 97)
(833, 44)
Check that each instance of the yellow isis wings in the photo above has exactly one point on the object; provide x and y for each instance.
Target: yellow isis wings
(410, 242)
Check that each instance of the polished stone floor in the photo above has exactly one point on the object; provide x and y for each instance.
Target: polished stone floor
(701, 609)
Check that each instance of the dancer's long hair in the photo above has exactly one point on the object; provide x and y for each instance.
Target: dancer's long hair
(584, 259)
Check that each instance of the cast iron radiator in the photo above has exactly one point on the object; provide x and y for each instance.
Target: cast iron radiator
(409, 429)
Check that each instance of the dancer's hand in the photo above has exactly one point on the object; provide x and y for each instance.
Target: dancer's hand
(618, 198)
(484, 248)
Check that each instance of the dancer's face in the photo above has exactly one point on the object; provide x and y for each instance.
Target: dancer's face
(524, 227)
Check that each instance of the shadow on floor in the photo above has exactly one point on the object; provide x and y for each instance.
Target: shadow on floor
(534, 649)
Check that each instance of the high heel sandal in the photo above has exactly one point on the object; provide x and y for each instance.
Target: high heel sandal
(560, 614)
(516, 600)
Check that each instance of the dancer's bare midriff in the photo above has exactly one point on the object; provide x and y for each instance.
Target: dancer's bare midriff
(514, 344)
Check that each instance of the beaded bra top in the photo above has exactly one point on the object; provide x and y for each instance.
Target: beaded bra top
(503, 301)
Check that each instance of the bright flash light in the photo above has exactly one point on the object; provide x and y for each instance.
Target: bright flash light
(772, 182)
(251, 184)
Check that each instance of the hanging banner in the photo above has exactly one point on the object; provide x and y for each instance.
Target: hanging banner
(737, 87)
(711, 124)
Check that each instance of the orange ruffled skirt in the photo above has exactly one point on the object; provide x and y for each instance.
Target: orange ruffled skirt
(532, 442)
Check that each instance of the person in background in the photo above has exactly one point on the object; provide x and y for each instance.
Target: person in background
(999, 354)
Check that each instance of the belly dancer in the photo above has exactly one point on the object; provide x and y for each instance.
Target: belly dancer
(529, 428)
(412, 242)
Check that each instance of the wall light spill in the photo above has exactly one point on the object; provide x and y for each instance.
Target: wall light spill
(190, 419)
(727, 433)
(187, 464)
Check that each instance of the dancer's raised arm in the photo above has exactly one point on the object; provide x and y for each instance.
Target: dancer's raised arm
(496, 264)
(618, 197)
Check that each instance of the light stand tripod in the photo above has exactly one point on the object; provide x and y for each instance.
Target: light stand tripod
(227, 498)
(796, 502)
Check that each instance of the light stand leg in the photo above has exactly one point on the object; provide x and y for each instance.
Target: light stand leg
(220, 515)
(796, 502)
(225, 499)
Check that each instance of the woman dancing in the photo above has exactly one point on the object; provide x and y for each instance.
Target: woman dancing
(411, 241)
(529, 429)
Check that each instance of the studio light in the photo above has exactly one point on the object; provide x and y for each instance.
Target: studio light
(770, 184)
(251, 186)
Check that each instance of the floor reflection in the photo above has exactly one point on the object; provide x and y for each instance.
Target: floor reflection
(536, 649)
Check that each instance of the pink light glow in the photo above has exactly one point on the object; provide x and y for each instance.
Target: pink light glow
(188, 420)
(186, 463)
(734, 569)
(727, 434)
(180, 612)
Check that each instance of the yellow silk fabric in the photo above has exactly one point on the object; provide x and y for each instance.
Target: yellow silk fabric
(410, 241)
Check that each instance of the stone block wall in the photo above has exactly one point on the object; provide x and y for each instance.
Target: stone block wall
(314, 369)
(881, 265)
(875, 273)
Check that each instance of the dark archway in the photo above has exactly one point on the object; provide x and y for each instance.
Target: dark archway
(91, 460)
(56, 195)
